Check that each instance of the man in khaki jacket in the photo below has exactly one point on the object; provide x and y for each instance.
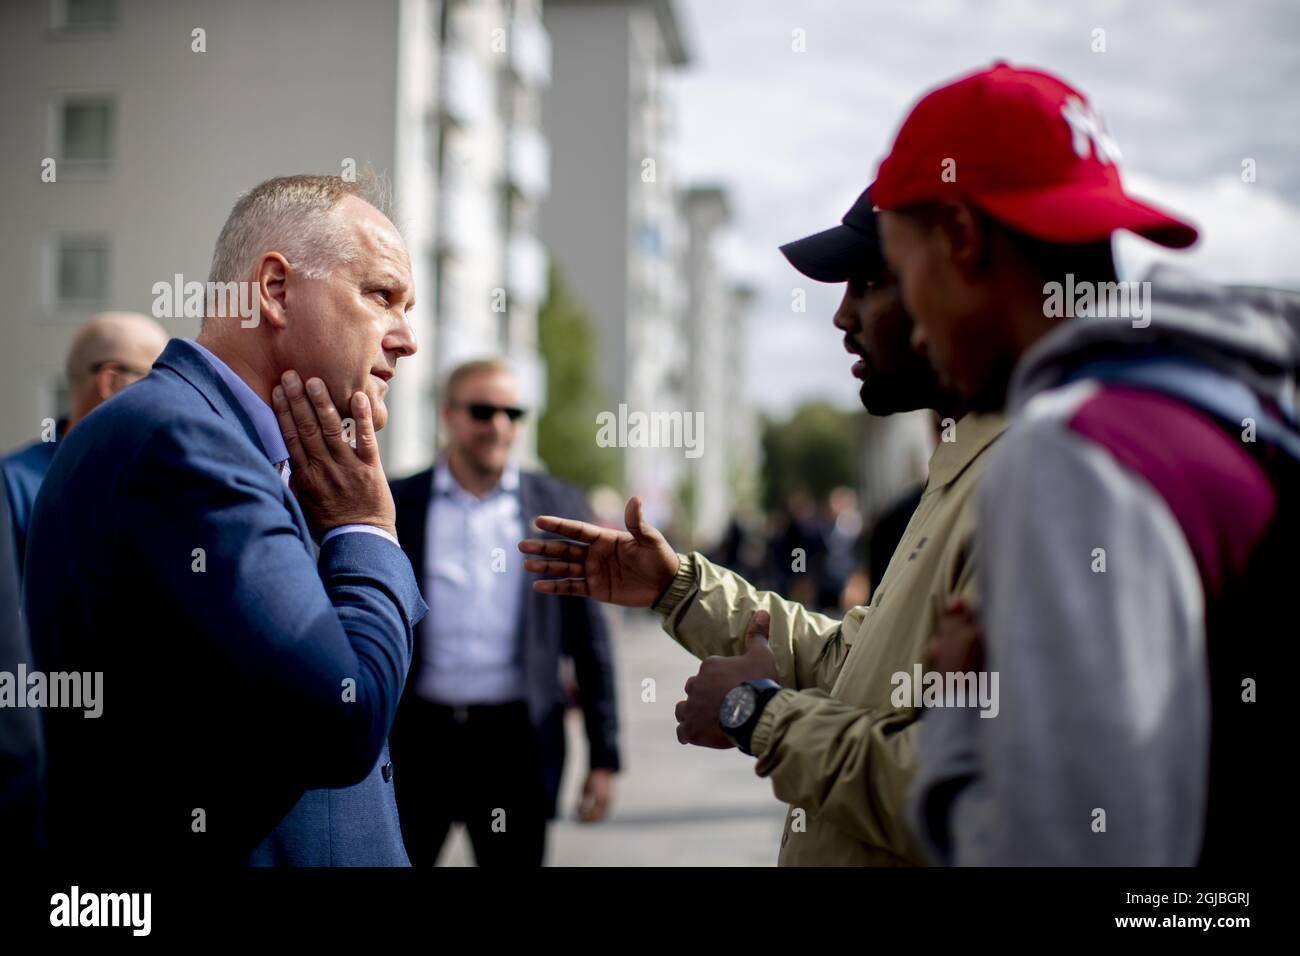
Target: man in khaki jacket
(838, 736)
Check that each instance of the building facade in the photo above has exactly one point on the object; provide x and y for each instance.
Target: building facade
(131, 128)
(510, 132)
(492, 168)
(611, 221)
(723, 477)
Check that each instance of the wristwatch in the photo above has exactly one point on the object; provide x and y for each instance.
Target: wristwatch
(741, 708)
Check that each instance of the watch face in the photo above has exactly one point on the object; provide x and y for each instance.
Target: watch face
(737, 706)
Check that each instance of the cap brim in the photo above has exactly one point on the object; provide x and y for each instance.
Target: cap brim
(834, 255)
(1081, 214)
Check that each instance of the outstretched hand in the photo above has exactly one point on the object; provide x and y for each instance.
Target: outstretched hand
(631, 567)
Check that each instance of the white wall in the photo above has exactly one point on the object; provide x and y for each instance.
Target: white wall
(584, 221)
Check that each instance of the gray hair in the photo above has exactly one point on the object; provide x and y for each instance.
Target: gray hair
(294, 216)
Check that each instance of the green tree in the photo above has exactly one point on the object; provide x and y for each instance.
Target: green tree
(817, 448)
(566, 432)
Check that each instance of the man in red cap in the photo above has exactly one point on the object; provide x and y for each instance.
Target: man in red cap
(1134, 518)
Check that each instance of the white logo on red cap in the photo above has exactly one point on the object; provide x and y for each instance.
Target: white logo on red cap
(1088, 132)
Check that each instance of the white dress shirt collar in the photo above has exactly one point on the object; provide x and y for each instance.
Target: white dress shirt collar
(444, 482)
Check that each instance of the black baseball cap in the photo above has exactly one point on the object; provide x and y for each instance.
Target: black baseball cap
(841, 252)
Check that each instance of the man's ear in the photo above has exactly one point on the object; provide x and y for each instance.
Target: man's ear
(105, 382)
(272, 289)
(967, 235)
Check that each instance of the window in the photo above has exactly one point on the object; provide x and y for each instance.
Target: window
(84, 16)
(81, 271)
(85, 129)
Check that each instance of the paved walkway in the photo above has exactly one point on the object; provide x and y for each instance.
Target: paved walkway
(674, 805)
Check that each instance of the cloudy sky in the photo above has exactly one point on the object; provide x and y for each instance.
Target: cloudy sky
(1189, 89)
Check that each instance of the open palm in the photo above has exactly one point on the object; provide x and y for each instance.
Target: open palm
(631, 567)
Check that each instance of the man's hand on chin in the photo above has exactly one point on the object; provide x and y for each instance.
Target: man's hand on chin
(697, 715)
(335, 483)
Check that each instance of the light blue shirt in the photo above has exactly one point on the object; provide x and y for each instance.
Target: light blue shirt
(267, 427)
(473, 581)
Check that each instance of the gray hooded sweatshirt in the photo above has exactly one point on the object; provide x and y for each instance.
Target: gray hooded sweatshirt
(1106, 517)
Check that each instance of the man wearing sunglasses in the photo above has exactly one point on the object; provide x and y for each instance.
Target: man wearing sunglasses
(107, 354)
(479, 736)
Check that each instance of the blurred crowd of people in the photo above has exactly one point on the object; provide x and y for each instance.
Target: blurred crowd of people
(821, 554)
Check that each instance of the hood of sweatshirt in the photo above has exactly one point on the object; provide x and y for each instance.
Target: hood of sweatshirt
(1250, 334)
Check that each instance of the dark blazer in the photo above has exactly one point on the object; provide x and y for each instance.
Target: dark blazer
(166, 553)
(550, 627)
(24, 470)
(21, 748)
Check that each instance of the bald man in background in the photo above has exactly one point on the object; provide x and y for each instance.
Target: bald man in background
(107, 354)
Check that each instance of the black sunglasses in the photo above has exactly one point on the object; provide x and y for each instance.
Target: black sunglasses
(482, 412)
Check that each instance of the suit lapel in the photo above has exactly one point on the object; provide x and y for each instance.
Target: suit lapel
(186, 361)
(527, 512)
(533, 615)
(413, 500)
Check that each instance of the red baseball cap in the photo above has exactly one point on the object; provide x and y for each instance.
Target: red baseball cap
(1026, 148)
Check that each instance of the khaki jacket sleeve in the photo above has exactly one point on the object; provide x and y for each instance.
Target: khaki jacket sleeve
(847, 765)
(707, 609)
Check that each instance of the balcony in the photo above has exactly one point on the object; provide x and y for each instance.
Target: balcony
(525, 269)
(530, 50)
(467, 89)
(528, 162)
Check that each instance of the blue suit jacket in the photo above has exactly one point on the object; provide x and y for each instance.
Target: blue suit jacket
(21, 747)
(24, 470)
(248, 686)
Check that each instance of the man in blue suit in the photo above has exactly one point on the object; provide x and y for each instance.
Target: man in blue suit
(21, 747)
(107, 354)
(248, 683)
